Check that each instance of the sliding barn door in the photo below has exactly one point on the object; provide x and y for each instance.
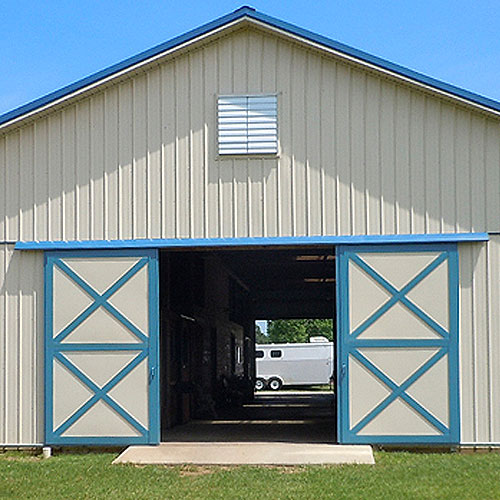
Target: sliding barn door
(398, 369)
(101, 347)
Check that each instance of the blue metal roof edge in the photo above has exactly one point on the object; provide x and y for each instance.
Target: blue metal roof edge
(115, 68)
(378, 61)
(244, 242)
(233, 16)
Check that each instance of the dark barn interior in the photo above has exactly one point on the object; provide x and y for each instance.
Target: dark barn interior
(209, 301)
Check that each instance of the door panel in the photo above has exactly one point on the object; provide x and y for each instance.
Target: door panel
(101, 347)
(398, 341)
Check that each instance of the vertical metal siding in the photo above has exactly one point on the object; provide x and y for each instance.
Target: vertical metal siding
(3, 188)
(21, 346)
(359, 155)
(480, 341)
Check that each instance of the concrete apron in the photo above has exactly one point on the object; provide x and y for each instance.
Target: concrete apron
(282, 428)
(246, 453)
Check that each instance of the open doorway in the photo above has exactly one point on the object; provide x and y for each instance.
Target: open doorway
(295, 367)
(209, 302)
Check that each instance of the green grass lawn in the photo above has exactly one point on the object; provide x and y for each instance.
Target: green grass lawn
(396, 476)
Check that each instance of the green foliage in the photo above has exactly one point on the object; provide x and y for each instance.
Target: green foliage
(260, 336)
(401, 476)
(298, 330)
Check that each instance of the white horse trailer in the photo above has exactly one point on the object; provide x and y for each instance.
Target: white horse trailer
(294, 364)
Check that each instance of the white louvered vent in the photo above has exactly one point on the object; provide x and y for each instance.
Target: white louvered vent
(247, 124)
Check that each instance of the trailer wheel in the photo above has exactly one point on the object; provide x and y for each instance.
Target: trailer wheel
(275, 384)
(260, 384)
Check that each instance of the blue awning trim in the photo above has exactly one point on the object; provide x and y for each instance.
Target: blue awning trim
(250, 242)
(271, 21)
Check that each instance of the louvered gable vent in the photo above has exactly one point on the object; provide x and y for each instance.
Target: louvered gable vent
(247, 125)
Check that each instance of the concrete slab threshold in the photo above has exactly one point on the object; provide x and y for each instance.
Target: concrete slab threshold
(246, 453)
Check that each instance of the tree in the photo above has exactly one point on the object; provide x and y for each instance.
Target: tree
(298, 330)
(260, 336)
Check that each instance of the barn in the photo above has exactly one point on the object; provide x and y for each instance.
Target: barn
(249, 169)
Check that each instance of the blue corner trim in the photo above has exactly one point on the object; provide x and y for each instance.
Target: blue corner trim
(243, 242)
(340, 305)
(263, 18)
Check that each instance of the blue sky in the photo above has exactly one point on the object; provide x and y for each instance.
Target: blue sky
(47, 45)
(263, 325)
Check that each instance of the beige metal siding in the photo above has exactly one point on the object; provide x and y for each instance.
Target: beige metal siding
(21, 343)
(480, 341)
(360, 154)
(21, 346)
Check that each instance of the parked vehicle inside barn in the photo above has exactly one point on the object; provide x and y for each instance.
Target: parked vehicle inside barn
(298, 364)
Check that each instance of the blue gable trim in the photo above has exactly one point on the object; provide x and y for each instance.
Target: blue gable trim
(271, 21)
(243, 242)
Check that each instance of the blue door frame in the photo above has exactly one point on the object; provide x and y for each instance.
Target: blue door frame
(146, 347)
(348, 344)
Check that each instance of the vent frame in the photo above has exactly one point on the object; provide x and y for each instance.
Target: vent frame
(247, 125)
